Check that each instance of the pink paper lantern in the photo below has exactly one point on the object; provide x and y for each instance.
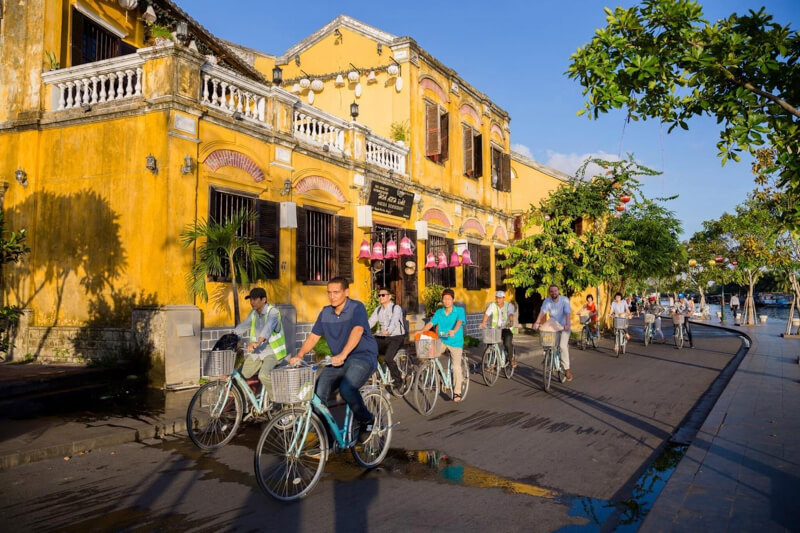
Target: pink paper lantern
(391, 250)
(466, 258)
(430, 261)
(364, 252)
(377, 251)
(405, 247)
(454, 260)
(442, 260)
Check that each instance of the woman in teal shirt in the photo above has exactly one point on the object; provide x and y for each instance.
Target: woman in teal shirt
(450, 321)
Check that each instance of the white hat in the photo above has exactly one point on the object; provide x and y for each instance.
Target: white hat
(500, 294)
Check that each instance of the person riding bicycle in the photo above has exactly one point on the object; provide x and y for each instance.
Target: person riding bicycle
(559, 309)
(391, 333)
(267, 342)
(686, 308)
(619, 308)
(502, 314)
(449, 321)
(590, 309)
(651, 306)
(734, 303)
(344, 325)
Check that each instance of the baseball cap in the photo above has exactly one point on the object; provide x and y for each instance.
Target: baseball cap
(257, 292)
(500, 294)
(681, 296)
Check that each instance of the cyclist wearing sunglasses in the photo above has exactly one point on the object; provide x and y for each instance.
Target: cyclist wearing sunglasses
(391, 332)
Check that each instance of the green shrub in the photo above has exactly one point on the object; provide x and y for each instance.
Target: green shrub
(432, 296)
(471, 342)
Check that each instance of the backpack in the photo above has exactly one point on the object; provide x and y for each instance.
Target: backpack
(404, 323)
(226, 342)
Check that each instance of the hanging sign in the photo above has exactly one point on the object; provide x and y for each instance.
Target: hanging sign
(390, 200)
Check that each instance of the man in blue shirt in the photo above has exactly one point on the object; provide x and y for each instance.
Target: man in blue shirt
(450, 321)
(560, 311)
(344, 325)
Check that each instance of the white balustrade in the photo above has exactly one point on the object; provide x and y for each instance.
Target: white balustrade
(313, 126)
(385, 154)
(232, 93)
(115, 79)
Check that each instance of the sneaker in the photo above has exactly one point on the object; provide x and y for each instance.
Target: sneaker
(568, 374)
(365, 431)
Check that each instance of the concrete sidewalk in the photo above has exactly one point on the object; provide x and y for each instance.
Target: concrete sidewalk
(742, 471)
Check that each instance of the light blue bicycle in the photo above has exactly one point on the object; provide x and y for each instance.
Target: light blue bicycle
(293, 449)
(430, 376)
(552, 358)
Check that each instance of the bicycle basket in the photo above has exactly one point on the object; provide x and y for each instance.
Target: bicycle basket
(548, 338)
(677, 319)
(585, 318)
(214, 363)
(427, 347)
(492, 335)
(292, 385)
(620, 322)
(649, 318)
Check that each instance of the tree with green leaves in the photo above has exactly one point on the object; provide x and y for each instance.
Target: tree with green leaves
(225, 250)
(661, 59)
(13, 246)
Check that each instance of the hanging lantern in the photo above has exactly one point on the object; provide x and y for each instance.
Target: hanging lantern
(317, 86)
(377, 251)
(430, 261)
(466, 258)
(692, 263)
(621, 207)
(364, 253)
(711, 262)
(305, 83)
(339, 80)
(296, 88)
(405, 247)
(391, 250)
(393, 70)
(454, 260)
(734, 262)
(625, 198)
(371, 78)
(442, 260)
(353, 76)
(719, 259)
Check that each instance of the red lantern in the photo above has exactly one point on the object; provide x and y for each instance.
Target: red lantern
(391, 250)
(466, 258)
(405, 247)
(364, 253)
(621, 208)
(719, 259)
(430, 261)
(454, 260)
(442, 260)
(625, 198)
(377, 251)
(734, 262)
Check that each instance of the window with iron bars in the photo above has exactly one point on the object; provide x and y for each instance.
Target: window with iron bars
(222, 206)
(446, 277)
(320, 245)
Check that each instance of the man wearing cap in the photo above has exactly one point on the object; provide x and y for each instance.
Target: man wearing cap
(266, 342)
(684, 307)
(502, 314)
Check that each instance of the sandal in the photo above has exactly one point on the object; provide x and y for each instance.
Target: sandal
(456, 397)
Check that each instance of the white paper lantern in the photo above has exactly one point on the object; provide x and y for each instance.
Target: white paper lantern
(310, 97)
(393, 70)
(305, 83)
(296, 88)
(128, 5)
(371, 78)
(339, 80)
(317, 86)
(398, 84)
(352, 76)
(358, 90)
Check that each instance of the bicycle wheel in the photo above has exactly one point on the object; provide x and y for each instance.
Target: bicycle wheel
(679, 338)
(403, 362)
(559, 367)
(617, 343)
(464, 376)
(214, 415)
(490, 365)
(508, 370)
(287, 474)
(593, 338)
(647, 335)
(584, 338)
(547, 370)
(372, 452)
(426, 388)
(624, 340)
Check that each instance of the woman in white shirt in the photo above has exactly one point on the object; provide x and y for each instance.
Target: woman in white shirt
(619, 307)
(391, 332)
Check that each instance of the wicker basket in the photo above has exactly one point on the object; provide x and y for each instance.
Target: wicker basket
(620, 322)
(214, 363)
(492, 335)
(292, 385)
(585, 318)
(677, 319)
(649, 318)
(427, 347)
(548, 338)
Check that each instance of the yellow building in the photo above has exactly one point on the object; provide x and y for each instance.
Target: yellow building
(118, 142)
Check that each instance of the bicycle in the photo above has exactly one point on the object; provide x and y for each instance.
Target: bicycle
(678, 328)
(494, 357)
(217, 408)
(293, 449)
(382, 377)
(620, 334)
(587, 334)
(552, 358)
(430, 376)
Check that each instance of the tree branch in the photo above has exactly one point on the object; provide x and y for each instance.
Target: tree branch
(769, 96)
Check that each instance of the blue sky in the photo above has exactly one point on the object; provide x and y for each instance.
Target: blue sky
(517, 52)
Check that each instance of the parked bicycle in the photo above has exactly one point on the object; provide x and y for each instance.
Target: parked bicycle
(552, 358)
(383, 378)
(494, 357)
(430, 376)
(620, 334)
(588, 335)
(291, 454)
(679, 330)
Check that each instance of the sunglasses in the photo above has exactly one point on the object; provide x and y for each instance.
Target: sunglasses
(384, 294)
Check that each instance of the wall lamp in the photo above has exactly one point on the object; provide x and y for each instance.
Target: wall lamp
(22, 177)
(188, 165)
(277, 75)
(297, 59)
(151, 164)
(354, 110)
(380, 48)
(338, 35)
(287, 187)
(237, 115)
(182, 32)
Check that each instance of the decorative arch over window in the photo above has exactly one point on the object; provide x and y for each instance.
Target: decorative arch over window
(474, 225)
(467, 109)
(311, 183)
(500, 233)
(437, 215)
(230, 158)
(431, 85)
(497, 130)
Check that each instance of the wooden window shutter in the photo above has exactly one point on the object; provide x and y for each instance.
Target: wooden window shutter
(451, 271)
(499, 272)
(445, 137)
(469, 160)
(410, 285)
(485, 267)
(505, 176)
(517, 227)
(268, 234)
(76, 42)
(478, 148)
(344, 247)
(433, 142)
(301, 251)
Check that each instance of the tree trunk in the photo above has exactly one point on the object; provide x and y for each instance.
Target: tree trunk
(235, 291)
(749, 314)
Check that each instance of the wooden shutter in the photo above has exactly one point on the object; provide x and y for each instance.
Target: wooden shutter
(344, 247)
(433, 143)
(505, 175)
(410, 285)
(478, 158)
(301, 250)
(268, 234)
(517, 227)
(485, 267)
(451, 271)
(469, 158)
(76, 43)
(499, 272)
(445, 137)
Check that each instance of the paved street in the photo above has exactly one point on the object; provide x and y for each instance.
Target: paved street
(511, 455)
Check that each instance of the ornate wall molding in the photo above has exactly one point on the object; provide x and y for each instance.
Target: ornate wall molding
(229, 158)
(318, 183)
